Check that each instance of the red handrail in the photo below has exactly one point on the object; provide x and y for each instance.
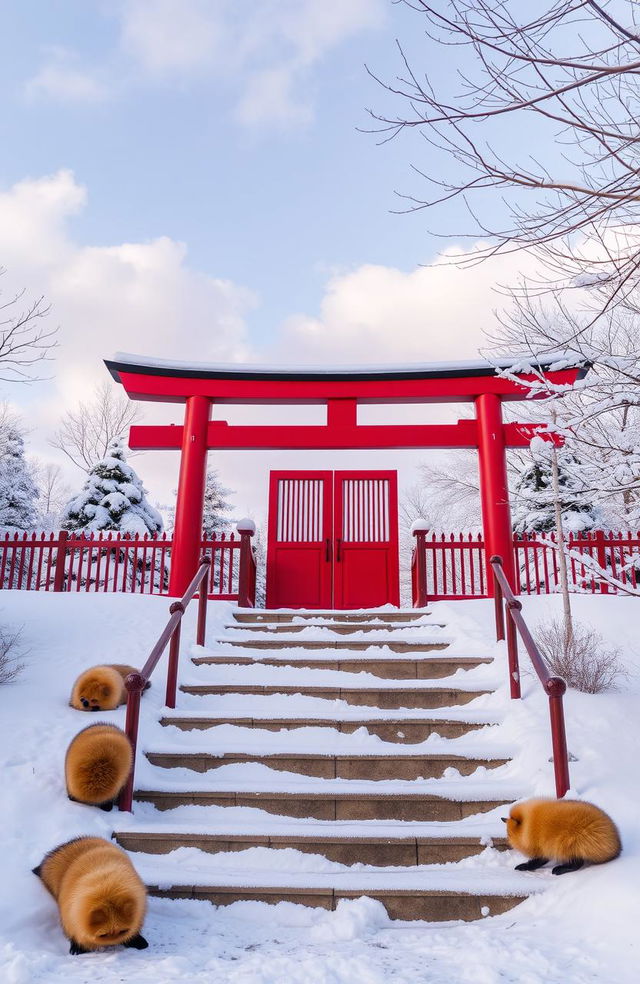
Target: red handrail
(554, 686)
(136, 682)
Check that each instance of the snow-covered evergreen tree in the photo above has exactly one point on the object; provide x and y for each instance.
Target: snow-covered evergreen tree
(113, 498)
(214, 516)
(18, 491)
(533, 496)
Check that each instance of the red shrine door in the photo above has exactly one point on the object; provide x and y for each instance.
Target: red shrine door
(333, 539)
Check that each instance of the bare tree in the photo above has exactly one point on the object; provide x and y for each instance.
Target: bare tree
(535, 128)
(25, 337)
(600, 418)
(54, 492)
(85, 434)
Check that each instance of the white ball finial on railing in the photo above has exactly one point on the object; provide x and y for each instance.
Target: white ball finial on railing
(246, 526)
(419, 526)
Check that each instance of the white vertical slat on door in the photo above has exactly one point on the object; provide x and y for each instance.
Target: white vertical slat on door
(365, 510)
(300, 504)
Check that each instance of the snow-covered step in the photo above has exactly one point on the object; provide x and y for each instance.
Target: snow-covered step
(402, 695)
(399, 850)
(402, 730)
(330, 615)
(341, 628)
(433, 893)
(354, 766)
(331, 799)
(385, 667)
(425, 643)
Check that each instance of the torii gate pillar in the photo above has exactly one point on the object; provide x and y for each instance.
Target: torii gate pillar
(494, 488)
(190, 502)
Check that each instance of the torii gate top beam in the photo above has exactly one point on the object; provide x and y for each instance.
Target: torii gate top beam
(175, 382)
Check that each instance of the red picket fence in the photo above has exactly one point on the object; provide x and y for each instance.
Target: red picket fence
(446, 566)
(110, 562)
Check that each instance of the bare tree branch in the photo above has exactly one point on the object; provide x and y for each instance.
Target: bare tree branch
(543, 110)
(25, 338)
(85, 434)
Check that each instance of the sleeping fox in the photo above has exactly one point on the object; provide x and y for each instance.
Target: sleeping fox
(101, 688)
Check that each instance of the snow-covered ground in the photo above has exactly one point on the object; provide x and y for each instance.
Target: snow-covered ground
(579, 928)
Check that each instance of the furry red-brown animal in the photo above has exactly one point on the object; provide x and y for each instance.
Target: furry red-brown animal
(97, 765)
(568, 831)
(101, 688)
(101, 899)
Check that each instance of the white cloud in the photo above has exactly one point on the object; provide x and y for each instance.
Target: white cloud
(172, 36)
(263, 51)
(378, 313)
(60, 80)
(33, 216)
(138, 297)
(130, 296)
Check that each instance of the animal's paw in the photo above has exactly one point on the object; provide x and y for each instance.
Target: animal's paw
(137, 942)
(75, 948)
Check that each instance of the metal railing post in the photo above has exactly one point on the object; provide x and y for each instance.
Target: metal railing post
(497, 600)
(174, 656)
(135, 685)
(556, 688)
(203, 597)
(512, 649)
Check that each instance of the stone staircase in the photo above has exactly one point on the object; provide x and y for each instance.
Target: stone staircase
(291, 772)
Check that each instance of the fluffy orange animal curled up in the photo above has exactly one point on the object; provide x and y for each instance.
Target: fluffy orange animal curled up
(568, 831)
(101, 688)
(97, 765)
(101, 899)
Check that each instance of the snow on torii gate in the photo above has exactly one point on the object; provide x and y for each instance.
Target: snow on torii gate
(199, 386)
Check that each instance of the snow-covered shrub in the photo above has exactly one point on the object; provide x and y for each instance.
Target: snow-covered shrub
(579, 658)
(10, 655)
(113, 498)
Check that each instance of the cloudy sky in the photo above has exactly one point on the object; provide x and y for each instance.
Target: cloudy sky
(188, 179)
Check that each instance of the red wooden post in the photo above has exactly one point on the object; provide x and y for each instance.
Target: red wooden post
(247, 567)
(601, 557)
(512, 649)
(135, 685)
(420, 573)
(494, 489)
(61, 556)
(203, 597)
(174, 655)
(556, 688)
(497, 599)
(189, 505)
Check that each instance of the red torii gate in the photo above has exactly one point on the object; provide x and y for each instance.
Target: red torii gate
(341, 390)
